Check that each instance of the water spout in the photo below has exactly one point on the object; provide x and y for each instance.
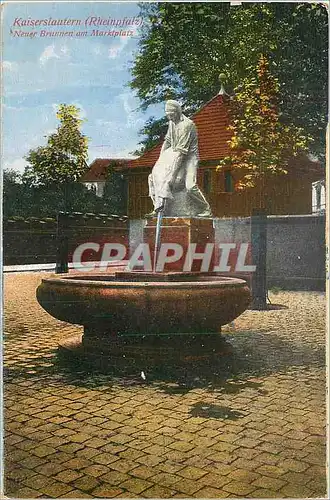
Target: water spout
(158, 235)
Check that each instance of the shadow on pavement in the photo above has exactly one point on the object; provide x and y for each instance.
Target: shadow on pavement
(244, 354)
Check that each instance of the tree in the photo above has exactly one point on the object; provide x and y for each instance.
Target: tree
(21, 199)
(184, 47)
(115, 191)
(64, 158)
(261, 144)
(153, 130)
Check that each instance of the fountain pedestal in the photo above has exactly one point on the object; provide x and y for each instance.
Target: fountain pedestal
(184, 231)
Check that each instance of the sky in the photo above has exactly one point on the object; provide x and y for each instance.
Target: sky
(92, 72)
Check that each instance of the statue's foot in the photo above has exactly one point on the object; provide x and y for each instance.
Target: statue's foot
(151, 214)
(207, 213)
(160, 208)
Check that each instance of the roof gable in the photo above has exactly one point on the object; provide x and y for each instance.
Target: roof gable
(98, 168)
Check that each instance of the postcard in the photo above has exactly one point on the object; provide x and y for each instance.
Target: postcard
(164, 249)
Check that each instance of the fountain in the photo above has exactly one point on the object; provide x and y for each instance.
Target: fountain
(153, 317)
(129, 314)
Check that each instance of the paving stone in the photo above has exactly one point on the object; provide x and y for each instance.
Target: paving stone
(242, 475)
(209, 492)
(319, 488)
(68, 475)
(95, 443)
(150, 460)
(128, 494)
(294, 465)
(123, 465)
(267, 458)
(77, 463)
(158, 492)
(56, 489)
(296, 477)
(295, 491)
(50, 468)
(131, 454)
(214, 480)
(77, 437)
(17, 455)
(181, 446)
(136, 485)
(19, 474)
(223, 457)
(86, 483)
(270, 483)
(170, 467)
(71, 447)
(95, 470)
(223, 446)
(192, 472)
(88, 453)
(271, 470)
(105, 491)
(114, 477)
(239, 488)
(27, 493)
(187, 486)
(32, 462)
(38, 481)
(43, 451)
(165, 479)
(76, 494)
(223, 469)
(264, 493)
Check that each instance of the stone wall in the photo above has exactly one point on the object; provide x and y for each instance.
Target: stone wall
(295, 243)
(295, 247)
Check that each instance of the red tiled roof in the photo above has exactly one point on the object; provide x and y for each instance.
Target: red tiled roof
(98, 168)
(211, 121)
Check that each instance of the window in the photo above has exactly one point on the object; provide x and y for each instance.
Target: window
(229, 182)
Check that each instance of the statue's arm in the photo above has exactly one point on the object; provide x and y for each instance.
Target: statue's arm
(182, 148)
(165, 146)
(177, 166)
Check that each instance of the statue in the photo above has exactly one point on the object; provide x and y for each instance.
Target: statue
(173, 180)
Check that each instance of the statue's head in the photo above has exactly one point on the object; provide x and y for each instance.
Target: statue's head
(173, 110)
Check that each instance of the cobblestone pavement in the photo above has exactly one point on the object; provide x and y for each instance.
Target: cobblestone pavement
(253, 427)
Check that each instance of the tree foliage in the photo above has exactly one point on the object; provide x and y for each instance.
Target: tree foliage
(152, 131)
(260, 144)
(184, 47)
(23, 199)
(115, 191)
(64, 158)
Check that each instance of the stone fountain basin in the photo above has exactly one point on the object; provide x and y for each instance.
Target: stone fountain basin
(137, 303)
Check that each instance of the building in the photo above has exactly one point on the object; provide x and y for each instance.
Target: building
(95, 178)
(281, 194)
(318, 197)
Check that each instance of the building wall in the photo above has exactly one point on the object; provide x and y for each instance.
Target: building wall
(283, 194)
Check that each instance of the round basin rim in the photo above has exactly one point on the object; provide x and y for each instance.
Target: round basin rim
(220, 282)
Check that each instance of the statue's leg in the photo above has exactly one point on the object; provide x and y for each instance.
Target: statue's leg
(152, 191)
(197, 199)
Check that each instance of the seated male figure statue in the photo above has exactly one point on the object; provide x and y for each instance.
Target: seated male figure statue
(176, 167)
